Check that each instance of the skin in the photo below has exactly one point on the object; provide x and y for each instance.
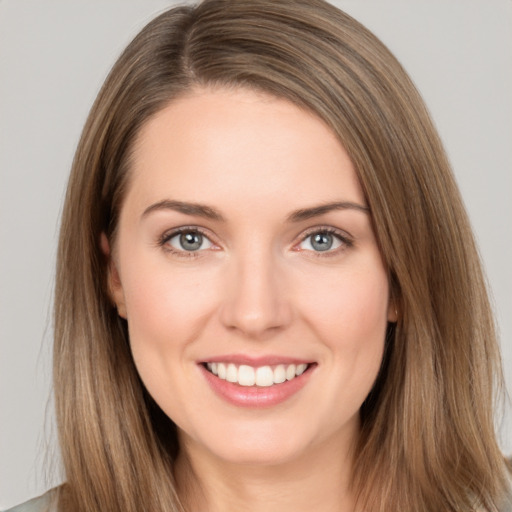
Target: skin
(255, 287)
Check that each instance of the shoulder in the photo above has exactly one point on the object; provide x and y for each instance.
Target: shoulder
(43, 503)
(507, 506)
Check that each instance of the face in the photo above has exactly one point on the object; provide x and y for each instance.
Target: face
(247, 269)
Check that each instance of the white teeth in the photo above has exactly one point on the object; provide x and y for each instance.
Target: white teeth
(221, 370)
(263, 376)
(279, 374)
(232, 373)
(246, 376)
(290, 371)
(301, 368)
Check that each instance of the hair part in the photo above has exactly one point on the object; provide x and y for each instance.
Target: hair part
(427, 441)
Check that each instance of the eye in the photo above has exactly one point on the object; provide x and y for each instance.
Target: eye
(189, 241)
(324, 240)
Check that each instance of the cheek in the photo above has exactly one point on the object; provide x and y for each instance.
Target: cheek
(167, 311)
(353, 304)
(166, 308)
(350, 317)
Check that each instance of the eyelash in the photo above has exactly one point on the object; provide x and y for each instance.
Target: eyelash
(169, 235)
(346, 241)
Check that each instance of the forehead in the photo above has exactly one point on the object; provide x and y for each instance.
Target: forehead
(230, 145)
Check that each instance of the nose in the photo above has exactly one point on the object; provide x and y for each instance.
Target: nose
(255, 297)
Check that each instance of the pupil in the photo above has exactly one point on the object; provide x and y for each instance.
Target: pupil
(191, 241)
(322, 241)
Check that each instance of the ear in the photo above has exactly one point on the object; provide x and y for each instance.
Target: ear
(393, 311)
(115, 287)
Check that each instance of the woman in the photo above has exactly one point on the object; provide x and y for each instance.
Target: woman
(268, 294)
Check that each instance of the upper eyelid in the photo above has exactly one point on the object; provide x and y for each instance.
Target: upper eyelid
(326, 229)
(345, 239)
(170, 233)
(342, 234)
(163, 242)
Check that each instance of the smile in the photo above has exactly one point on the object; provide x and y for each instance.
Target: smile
(249, 382)
(262, 376)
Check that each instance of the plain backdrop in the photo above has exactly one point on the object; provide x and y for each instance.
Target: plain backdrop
(54, 55)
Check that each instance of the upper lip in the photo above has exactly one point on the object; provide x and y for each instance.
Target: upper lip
(256, 361)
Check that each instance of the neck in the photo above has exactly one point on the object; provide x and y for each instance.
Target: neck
(316, 480)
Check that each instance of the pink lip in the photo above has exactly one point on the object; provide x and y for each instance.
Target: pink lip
(255, 396)
(271, 360)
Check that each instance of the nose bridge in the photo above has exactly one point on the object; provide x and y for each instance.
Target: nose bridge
(255, 300)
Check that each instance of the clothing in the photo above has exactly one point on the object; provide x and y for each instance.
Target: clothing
(507, 506)
(40, 504)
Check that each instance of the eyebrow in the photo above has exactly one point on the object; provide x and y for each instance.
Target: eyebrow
(208, 212)
(315, 211)
(199, 210)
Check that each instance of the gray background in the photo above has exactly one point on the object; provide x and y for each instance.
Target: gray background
(54, 56)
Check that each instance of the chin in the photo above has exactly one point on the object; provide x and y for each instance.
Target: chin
(264, 443)
(258, 455)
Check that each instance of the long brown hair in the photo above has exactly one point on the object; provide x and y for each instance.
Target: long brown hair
(428, 440)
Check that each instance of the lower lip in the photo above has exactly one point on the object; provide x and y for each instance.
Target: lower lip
(256, 396)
